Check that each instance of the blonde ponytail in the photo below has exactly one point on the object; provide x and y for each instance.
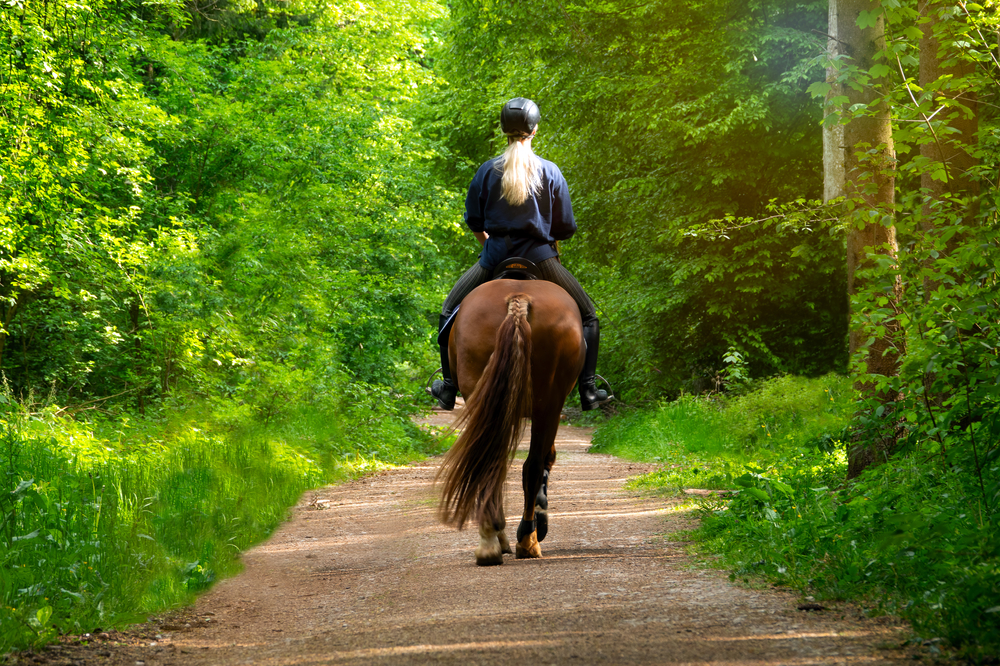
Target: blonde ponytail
(521, 173)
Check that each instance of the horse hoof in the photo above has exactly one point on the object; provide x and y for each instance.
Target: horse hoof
(489, 559)
(490, 550)
(541, 522)
(528, 548)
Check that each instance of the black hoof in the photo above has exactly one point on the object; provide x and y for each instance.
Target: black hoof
(541, 523)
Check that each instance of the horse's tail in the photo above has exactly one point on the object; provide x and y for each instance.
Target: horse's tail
(475, 468)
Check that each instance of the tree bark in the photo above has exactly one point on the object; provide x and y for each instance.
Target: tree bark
(833, 132)
(953, 148)
(870, 165)
(8, 314)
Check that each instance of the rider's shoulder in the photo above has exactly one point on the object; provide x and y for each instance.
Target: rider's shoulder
(492, 164)
(551, 170)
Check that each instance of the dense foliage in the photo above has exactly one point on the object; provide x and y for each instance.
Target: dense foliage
(219, 239)
(664, 116)
(214, 211)
(226, 227)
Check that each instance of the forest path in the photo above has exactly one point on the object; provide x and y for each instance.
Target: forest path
(364, 573)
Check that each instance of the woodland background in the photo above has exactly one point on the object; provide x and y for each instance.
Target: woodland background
(227, 226)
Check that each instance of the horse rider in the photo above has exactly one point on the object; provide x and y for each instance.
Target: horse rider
(518, 206)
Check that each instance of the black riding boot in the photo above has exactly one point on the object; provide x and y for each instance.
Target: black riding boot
(445, 391)
(590, 395)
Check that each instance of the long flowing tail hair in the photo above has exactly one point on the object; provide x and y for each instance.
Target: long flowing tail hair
(475, 468)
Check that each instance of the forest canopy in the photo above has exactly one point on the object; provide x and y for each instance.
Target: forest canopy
(226, 198)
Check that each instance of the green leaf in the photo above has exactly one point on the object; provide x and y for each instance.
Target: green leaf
(783, 487)
(22, 488)
(879, 70)
(868, 19)
(819, 89)
(756, 493)
(26, 537)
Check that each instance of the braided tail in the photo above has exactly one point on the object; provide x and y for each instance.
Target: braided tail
(475, 468)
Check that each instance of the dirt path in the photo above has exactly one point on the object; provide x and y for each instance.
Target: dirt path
(363, 573)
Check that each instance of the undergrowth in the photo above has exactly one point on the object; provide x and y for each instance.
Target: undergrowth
(708, 442)
(105, 521)
(912, 537)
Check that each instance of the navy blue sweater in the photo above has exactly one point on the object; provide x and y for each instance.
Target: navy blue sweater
(532, 228)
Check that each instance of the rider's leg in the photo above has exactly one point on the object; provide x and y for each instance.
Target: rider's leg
(553, 271)
(446, 390)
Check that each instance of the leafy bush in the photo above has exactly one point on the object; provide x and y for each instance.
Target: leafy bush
(906, 539)
(914, 537)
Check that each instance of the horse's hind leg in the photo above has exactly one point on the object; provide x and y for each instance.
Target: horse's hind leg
(534, 477)
(490, 551)
(502, 535)
(493, 542)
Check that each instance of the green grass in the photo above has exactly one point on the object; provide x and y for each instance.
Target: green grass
(916, 536)
(707, 442)
(102, 523)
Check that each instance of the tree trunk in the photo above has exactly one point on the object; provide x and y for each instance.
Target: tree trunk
(8, 314)
(833, 132)
(952, 148)
(954, 136)
(870, 165)
(133, 313)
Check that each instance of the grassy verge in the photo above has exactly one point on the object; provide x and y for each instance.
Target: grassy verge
(911, 537)
(104, 522)
(709, 442)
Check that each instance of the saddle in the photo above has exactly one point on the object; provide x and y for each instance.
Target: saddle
(516, 268)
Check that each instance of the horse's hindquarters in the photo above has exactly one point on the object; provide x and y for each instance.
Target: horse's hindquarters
(517, 349)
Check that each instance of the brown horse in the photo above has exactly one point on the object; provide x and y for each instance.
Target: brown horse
(516, 348)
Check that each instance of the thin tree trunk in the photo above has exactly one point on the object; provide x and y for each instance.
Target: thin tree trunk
(870, 166)
(9, 313)
(833, 132)
(133, 312)
(954, 148)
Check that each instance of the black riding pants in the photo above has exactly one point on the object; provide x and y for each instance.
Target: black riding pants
(550, 269)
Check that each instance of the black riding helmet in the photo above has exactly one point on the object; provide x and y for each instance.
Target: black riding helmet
(519, 117)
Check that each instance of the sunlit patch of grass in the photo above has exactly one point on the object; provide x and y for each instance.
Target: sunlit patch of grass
(781, 412)
(105, 522)
(707, 442)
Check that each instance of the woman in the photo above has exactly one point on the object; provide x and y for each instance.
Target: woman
(518, 206)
